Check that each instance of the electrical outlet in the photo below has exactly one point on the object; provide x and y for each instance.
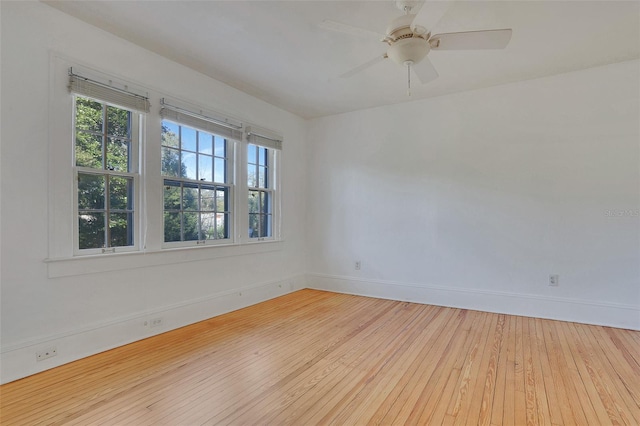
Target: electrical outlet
(358, 265)
(156, 322)
(554, 280)
(46, 353)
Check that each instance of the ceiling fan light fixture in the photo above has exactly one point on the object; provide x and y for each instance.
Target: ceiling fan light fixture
(411, 50)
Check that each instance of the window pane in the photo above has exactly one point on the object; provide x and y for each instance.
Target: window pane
(222, 225)
(171, 195)
(220, 145)
(220, 170)
(90, 230)
(265, 205)
(170, 134)
(263, 160)
(118, 155)
(254, 201)
(121, 193)
(188, 165)
(252, 175)
(190, 197)
(205, 141)
(208, 226)
(171, 165)
(266, 225)
(120, 228)
(207, 199)
(251, 154)
(171, 227)
(118, 122)
(188, 139)
(221, 200)
(91, 190)
(205, 166)
(262, 177)
(190, 226)
(88, 150)
(254, 227)
(88, 115)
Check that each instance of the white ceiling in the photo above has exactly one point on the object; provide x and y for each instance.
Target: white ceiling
(276, 51)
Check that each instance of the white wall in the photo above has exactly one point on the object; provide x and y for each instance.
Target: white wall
(84, 313)
(473, 199)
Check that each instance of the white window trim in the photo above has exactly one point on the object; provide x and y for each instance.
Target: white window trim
(274, 190)
(231, 177)
(137, 124)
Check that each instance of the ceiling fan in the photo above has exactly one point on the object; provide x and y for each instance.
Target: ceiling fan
(409, 39)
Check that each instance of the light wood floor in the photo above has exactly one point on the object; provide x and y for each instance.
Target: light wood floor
(314, 357)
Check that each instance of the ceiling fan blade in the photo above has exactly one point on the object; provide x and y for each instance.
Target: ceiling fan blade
(350, 29)
(363, 67)
(430, 13)
(469, 40)
(425, 71)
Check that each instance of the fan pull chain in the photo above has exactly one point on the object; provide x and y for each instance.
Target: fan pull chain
(408, 79)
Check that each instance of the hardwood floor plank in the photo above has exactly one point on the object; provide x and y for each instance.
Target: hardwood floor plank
(520, 412)
(348, 386)
(618, 371)
(599, 399)
(545, 390)
(481, 372)
(460, 403)
(428, 384)
(314, 357)
(421, 369)
(493, 394)
(594, 369)
(508, 403)
(387, 381)
(557, 382)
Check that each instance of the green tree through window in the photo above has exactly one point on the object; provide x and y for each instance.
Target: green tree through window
(196, 188)
(105, 184)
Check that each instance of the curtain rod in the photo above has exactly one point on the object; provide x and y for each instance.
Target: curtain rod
(263, 136)
(71, 74)
(201, 116)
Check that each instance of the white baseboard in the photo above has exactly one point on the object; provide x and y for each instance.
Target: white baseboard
(563, 309)
(19, 360)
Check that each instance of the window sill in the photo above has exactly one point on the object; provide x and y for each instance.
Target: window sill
(91, 264)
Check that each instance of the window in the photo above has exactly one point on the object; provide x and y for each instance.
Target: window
(105, 158)
(262, 187)
(259, 183)
(197, 184)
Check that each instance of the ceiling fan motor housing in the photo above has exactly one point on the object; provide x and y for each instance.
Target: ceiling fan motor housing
(408, 50)
(404, 45)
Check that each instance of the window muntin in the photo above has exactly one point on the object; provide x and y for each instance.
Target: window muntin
(105, 175)
(260, 191)
(195, 211)
(197, 188)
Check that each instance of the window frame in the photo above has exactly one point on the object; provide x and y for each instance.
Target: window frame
(272, 188)
(137, 124)
(231, 185)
